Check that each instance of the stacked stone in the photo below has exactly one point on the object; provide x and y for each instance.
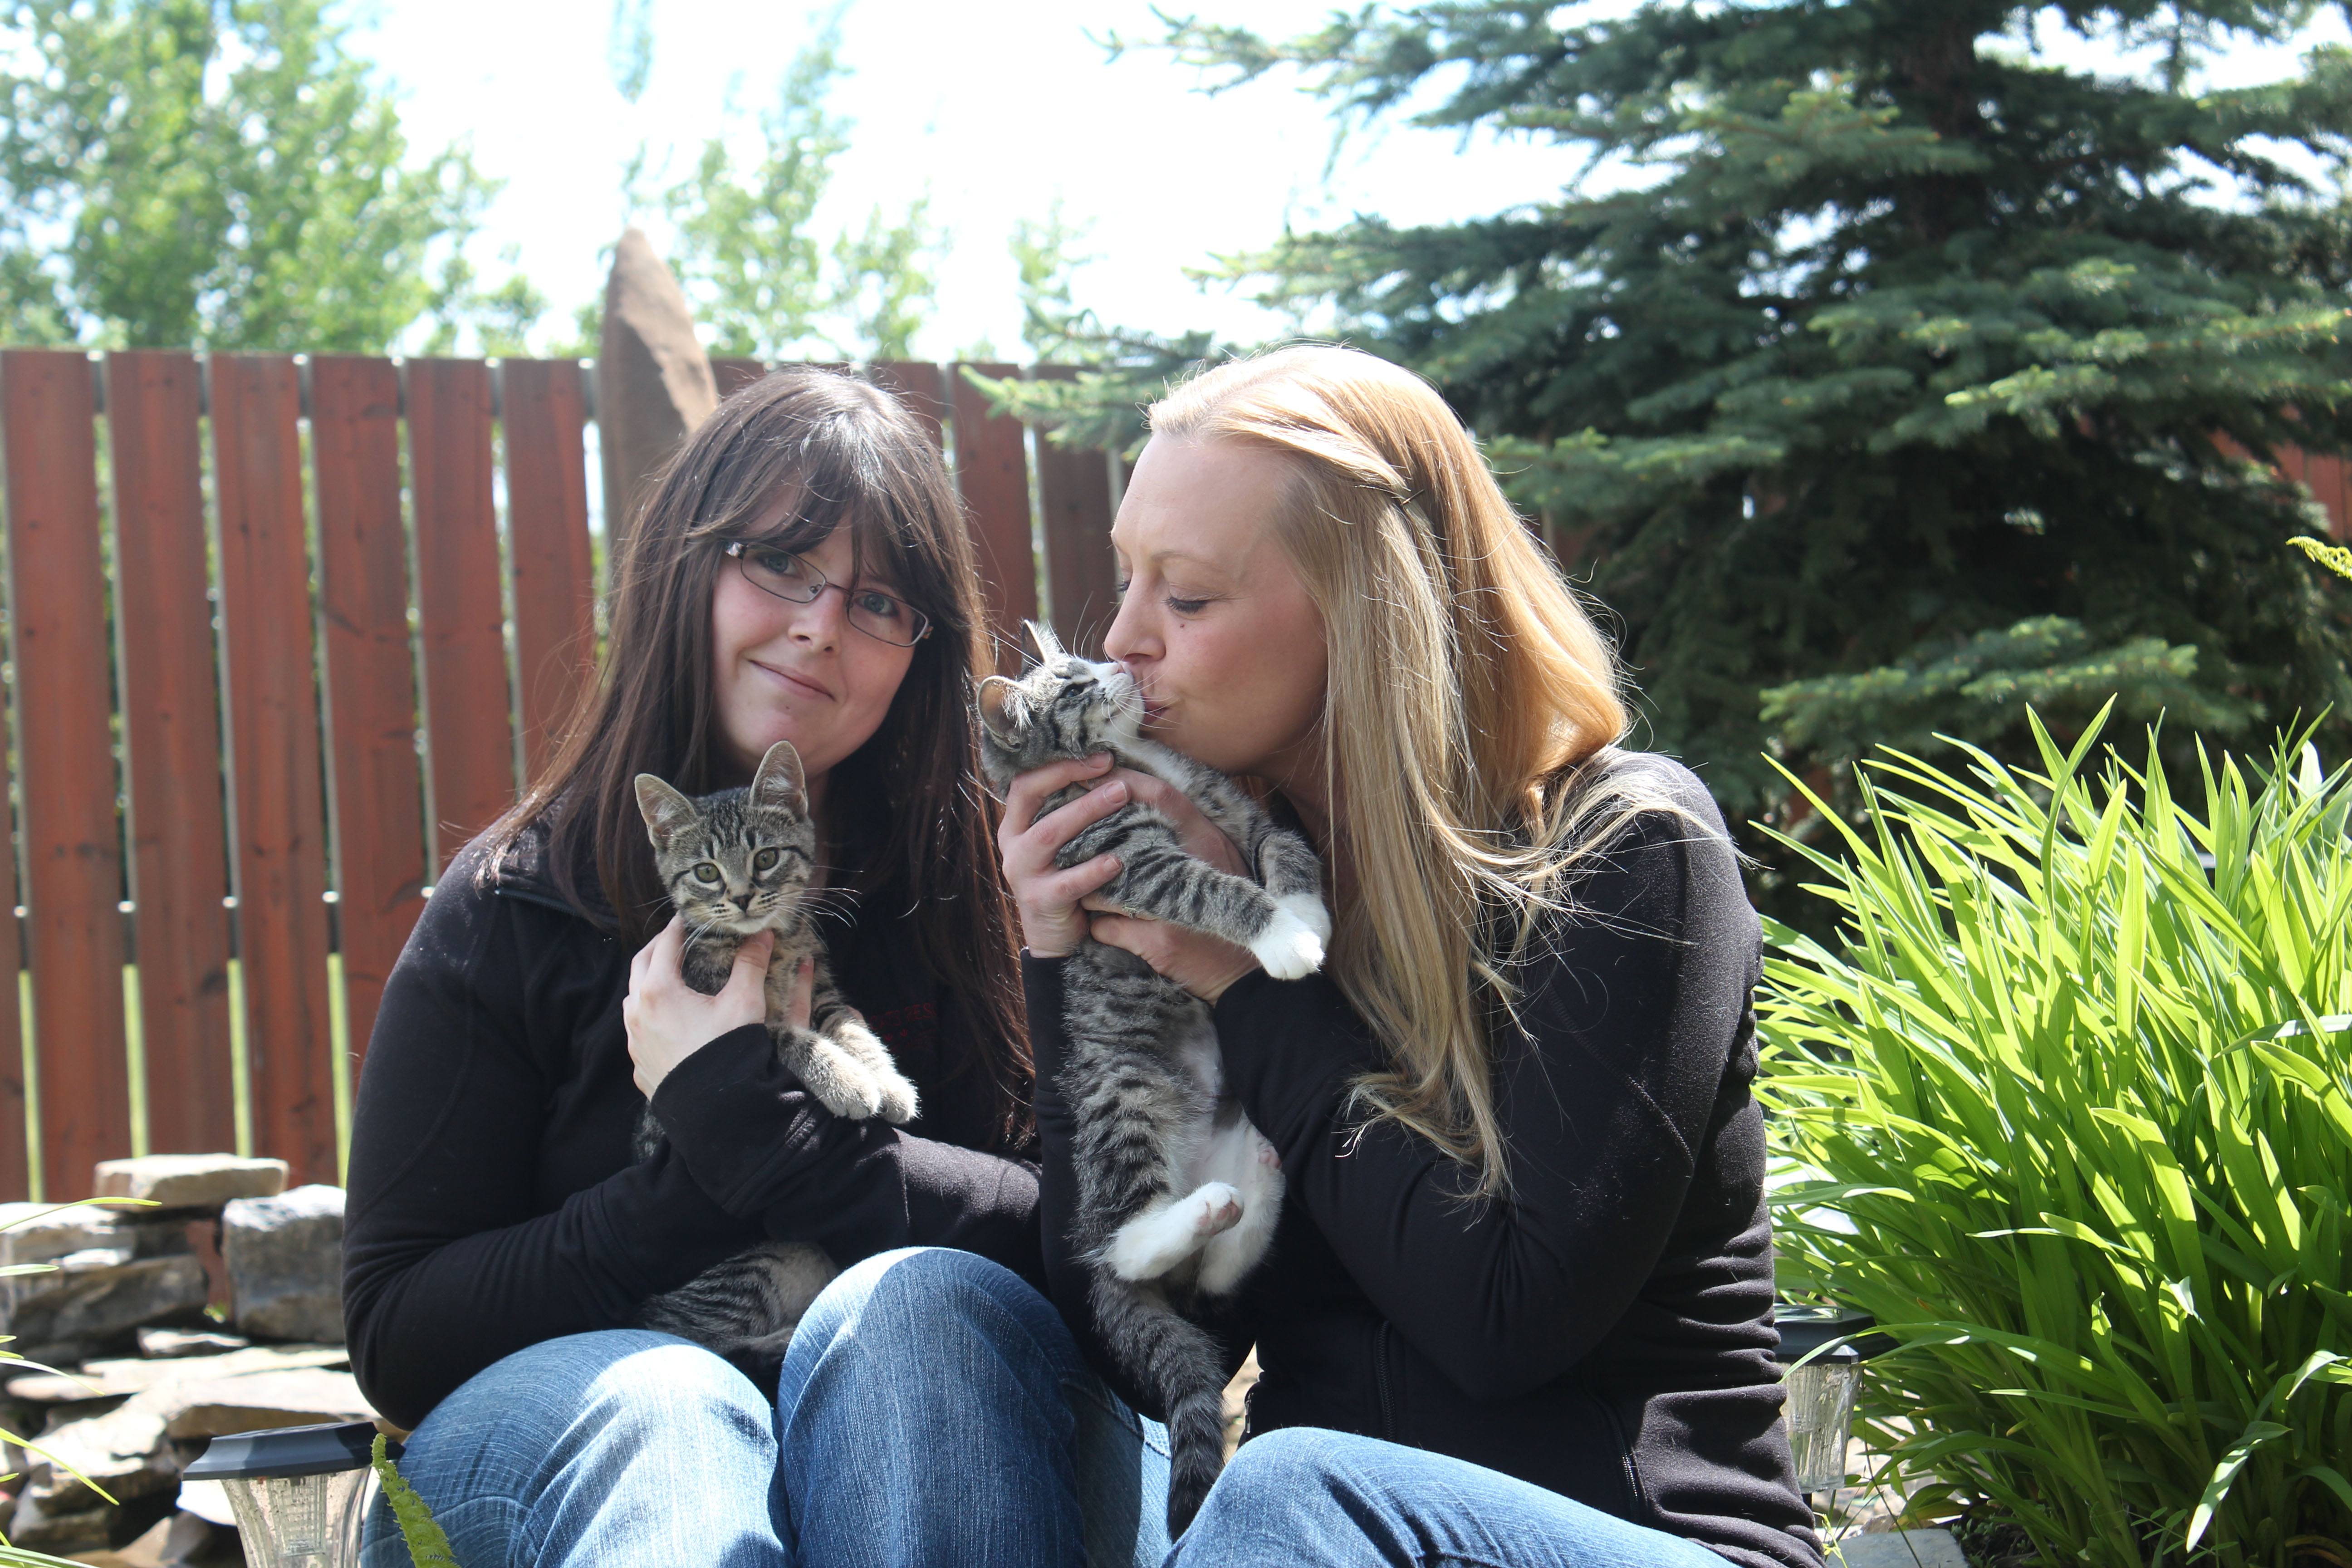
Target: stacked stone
(214, 1306)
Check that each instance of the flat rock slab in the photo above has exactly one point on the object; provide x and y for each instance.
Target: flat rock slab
(191, 1181)
(122, 1451)
(113, 1378)
(167, 1345)
(128, 1449)
(100, 1295)
(37, 1529)
(43, 1233)
(261, 1400)
(284, 1258)
(1900, 1549)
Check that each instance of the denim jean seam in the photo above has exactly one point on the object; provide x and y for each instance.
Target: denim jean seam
(1090, 1388)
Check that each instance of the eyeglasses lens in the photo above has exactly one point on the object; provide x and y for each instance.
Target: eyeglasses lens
(787, 576)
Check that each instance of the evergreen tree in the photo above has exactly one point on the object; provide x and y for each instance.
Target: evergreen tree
(223, 174)
(1894, 375)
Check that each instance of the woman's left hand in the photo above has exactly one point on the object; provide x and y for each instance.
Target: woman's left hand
(1201, 964)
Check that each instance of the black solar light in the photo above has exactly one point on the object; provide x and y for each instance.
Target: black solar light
(299, 1492)
(1820, 1392)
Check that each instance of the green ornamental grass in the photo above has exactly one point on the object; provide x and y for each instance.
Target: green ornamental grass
(2071, 1113)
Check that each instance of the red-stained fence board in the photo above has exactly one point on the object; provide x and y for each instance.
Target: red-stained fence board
(171, 727)
(468, 728)
(992, 460)
(730, 374)
(544, 413)
(1081, 577)
(273, 725)
(16, 1165)
(371, 673)
(917, 386)
(73, 857)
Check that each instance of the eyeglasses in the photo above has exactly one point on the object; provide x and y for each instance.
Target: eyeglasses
(785, 575)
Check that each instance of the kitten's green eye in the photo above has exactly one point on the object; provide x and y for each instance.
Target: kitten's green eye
(707, 872)
(765, 860)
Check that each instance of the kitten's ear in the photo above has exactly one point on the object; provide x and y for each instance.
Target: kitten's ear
(780, 781)
(1000, 707)
(1042, 639)
(665, 810)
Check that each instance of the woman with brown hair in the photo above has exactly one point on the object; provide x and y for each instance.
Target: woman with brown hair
(801, 572)
(1517, 1311)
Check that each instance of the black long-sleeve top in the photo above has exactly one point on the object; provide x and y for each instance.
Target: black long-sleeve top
(493, 1199)
(1605, 1331)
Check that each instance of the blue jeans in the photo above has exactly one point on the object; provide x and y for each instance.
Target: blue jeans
(932, 1409)
(1302, 1497)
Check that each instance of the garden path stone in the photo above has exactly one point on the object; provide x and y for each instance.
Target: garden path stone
(284, 1258)
(191, 1181)
(1900, 1549)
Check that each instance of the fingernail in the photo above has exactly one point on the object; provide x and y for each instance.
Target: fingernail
(1099, 760)
(1114, 792)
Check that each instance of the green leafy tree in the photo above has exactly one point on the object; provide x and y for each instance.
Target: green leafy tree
(220, 173)
(1871, 340)
(748, 249)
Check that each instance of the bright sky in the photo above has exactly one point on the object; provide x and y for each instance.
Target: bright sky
(994, 111)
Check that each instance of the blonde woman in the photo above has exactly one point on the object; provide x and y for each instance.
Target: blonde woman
(1518, 1311)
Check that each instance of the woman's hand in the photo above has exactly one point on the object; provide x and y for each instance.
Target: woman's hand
(669, 1020)
(1202, 839)
(1201, 964)
(1046, 896)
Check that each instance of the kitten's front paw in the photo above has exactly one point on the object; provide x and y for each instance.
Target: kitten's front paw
(897, 1103)
(1288, 948)
(1310, 911)
(841, 1084)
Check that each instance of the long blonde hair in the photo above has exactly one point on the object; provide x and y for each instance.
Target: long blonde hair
(1468, 693)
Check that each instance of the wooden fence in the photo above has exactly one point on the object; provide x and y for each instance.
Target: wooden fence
(285, 633)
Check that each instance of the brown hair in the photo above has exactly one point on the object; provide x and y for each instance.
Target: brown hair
(907, 809)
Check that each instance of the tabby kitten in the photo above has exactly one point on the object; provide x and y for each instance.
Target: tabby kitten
(1178, 1193)
(737, 862)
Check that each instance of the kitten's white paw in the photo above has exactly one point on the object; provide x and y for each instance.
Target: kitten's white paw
(1213, 1206)
(1310, 912)
(1288, 948)
(898, 1104)
(841, 1085)
(849, 1099)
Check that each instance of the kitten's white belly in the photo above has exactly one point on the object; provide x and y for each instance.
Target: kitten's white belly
(1226, 1161)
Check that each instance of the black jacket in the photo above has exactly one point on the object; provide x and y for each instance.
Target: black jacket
(493, 1201)
(1606, 1332)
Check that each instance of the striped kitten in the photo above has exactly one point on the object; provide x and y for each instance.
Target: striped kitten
(737, 862)
(1178, 1193)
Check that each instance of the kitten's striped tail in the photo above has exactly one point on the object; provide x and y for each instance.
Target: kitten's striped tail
(1177, 1359)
